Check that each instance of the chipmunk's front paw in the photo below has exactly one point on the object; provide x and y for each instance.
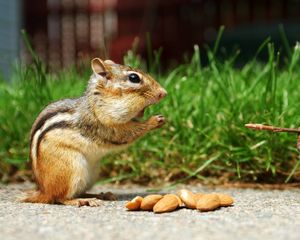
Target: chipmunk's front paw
(157, 121)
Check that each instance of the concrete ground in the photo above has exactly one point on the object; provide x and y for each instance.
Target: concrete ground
(256, 214)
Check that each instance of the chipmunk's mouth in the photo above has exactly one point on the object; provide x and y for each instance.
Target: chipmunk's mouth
(140, 113)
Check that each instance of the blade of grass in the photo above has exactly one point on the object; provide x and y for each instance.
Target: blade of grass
(285, 40)
(193, 174)
(218, 40)
(293, 170)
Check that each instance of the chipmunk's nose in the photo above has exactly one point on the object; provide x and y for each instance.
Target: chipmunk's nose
(162, 94)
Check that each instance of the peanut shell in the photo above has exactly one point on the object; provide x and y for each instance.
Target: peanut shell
(187, 198)
(179, 200)
(149, 201)
(134, 204)
(208, 202)
(225, 199)
(197, 196)
(167, 204)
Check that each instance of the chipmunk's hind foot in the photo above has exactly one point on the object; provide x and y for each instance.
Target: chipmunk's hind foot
(79, 202)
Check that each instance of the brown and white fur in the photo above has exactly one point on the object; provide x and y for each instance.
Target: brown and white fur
(70, 136)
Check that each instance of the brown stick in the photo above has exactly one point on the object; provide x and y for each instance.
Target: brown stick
(272, 128)
(275, 129)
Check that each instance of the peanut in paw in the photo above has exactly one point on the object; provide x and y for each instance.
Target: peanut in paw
(134, 204)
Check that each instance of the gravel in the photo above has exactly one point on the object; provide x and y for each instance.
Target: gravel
(257, 214)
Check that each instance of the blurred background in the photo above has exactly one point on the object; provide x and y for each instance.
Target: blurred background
(65, 32)
(221, 88)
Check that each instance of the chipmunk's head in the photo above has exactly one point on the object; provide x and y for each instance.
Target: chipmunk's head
(120, 93)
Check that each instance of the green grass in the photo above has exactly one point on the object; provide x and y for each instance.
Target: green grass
(206, 109)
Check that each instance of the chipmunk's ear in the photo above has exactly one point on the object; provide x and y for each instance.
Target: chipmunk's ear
(109, 61)
(98, 65)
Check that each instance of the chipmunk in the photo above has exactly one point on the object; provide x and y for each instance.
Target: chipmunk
(69, 136)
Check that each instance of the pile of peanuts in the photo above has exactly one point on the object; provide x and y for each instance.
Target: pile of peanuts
(170, 202)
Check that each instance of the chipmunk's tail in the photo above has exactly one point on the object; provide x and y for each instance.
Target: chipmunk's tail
(37, 197)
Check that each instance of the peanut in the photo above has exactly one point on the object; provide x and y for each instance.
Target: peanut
(179, 200)
(187, 198)
(149, 201)
(134, 204)
(208, 202)
(225, 199)
(197, 196)
(168, 203)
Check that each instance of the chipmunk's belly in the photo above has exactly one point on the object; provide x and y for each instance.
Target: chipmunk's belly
(87, 164)
(84, 157)
(93, 156)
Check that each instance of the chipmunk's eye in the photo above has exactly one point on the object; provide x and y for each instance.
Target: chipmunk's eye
(134, 78)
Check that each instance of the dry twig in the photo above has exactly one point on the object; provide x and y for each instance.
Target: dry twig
(271, 128)
(275, 129)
